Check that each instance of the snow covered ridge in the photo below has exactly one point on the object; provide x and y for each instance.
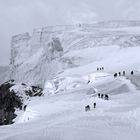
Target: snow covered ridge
(33, 57)
(118, 23)
(13, 97)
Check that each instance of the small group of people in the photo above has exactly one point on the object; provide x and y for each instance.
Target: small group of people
(101, 68)
(119, 74)
(103, 96)
(87, 107)
(122, 74)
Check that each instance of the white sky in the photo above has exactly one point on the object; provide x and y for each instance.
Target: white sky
(19, 16)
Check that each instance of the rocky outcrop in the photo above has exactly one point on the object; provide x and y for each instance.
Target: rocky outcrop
(34, 91)
(9, 101)
(13, 97)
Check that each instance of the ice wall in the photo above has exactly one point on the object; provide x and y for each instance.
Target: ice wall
(36, 58)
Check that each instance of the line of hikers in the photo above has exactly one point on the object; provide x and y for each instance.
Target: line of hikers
(105, 96)
(123, 73)
(87, 107)
(102, 96)
(101, 68)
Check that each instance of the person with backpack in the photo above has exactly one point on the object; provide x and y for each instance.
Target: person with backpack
(87, 108)
(106, 97)
(115, 75)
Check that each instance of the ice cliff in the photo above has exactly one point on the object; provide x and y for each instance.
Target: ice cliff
(39, 57)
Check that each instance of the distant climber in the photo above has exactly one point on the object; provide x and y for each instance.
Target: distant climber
(106, 97)
(123, 73)
(115, 75)
(24, 108)
(102, 96)
(94, 104)
(132, 72)
(87, 108)
(119, 73)
(102, 68)
(99, 95)
(88, 81)
(97, 69)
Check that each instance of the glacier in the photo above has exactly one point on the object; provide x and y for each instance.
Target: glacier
(33, 57)
(63, 60)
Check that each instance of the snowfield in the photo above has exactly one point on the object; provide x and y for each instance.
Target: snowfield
(62, 116)
(60, 113)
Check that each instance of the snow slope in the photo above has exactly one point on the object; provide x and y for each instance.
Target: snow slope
(60, 113)
(113, 58)
(62, 116)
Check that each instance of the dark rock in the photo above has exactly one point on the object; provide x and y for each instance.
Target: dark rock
(23, 84)
(9, 101)
(34, 91)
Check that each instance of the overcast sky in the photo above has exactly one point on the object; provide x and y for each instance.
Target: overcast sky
(19, 16)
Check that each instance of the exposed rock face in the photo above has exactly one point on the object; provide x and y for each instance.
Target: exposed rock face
(12, 97)
(37, 58)
(33, 91)
(9, 101)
